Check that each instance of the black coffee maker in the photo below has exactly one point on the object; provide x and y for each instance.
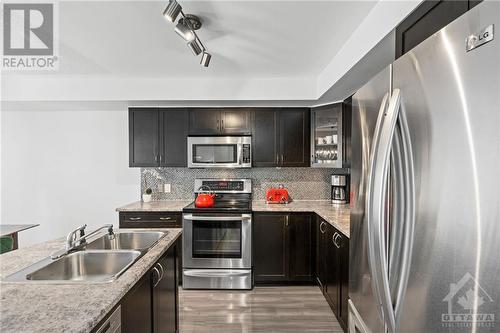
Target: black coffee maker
(340, 189)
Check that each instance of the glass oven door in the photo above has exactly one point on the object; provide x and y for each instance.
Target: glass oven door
(217, 241)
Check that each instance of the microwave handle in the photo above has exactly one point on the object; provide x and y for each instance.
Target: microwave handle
(242, 217)
(240, 153)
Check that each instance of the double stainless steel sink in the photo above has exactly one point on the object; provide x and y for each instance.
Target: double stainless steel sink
(101, 260)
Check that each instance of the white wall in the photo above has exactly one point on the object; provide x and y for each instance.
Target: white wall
(63, 165)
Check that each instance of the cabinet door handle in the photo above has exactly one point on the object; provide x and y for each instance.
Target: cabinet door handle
(156, 158)
(282, 159)
(286, 220)
(162, 271)
(222, 125)
(165, 218)
(134, 218)
(334, 240)
(321, 227)
(158, 273)
(277, 159)
(218, 126)
(160, 158)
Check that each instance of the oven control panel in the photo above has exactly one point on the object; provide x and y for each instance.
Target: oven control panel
(224, 185)
(216, 185)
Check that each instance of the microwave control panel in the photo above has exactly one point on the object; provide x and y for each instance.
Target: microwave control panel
(246, 153)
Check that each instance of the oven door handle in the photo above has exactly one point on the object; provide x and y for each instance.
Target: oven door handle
(215, 273)
(242, 217)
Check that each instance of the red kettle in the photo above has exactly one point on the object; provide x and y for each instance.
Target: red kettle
(205, 198)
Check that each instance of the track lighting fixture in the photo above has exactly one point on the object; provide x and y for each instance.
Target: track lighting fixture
(195, 47)
(205, 59)
(172, 11)
(185, 32)
(186, 28)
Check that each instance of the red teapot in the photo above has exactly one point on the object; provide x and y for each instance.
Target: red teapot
(205, 198)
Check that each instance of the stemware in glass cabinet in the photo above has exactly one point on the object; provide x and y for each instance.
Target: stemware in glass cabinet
(326, 140)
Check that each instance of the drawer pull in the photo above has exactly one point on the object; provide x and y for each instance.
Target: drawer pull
(165, 218)
(321, 227)
(134, 218)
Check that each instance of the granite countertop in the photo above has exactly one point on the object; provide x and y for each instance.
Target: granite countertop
(9, 229)
(36, 306)
(337, 215)
(155, 206)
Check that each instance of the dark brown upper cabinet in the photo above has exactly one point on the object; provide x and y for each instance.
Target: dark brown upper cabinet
(430, 17)
(173, 137)
(265, 138)
(158, 137)
(281, 137)
(143, 137)
(294, 137)
(211, 121)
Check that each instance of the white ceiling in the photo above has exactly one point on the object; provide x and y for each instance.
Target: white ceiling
(247, 38)
(262, 50)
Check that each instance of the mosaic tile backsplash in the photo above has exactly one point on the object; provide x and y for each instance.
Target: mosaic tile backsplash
(302, 183)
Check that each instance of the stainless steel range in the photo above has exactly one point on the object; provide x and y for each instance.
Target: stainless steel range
(217, 241)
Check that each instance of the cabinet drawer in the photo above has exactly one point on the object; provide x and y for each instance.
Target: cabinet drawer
(150, 220)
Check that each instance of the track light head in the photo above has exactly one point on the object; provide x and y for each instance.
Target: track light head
(172, 11)
(205, 59)
(185, 32)
(195, 47)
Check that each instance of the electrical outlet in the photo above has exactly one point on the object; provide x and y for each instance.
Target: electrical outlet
(167, 188)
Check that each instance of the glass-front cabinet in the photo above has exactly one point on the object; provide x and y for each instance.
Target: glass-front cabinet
(326, 136)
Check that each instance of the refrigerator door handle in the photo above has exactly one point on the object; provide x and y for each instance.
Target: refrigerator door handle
(407, 198)
(373, 262)
(394, 138)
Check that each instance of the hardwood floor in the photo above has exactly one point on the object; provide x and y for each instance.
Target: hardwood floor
(263, 309)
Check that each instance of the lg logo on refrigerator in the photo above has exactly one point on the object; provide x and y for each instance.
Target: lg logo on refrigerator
(29, 33)
(482, 37)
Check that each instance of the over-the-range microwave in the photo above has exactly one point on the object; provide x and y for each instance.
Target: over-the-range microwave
(219, 151)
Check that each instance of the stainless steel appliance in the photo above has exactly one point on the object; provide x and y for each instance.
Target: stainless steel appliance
(217, 241)
(424, 256)
(340, 190)
(219, 151)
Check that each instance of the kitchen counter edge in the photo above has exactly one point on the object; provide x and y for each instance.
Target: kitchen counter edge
(336, 215)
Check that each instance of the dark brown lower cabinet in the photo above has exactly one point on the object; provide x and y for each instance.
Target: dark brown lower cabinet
(152, 305)
(154, 220)
(136, 307)
(282, 248)
(344, 280)
(300, 231)
(270, 248)
(332, 267)
(332, 285)
(300, 248)
(165, 294)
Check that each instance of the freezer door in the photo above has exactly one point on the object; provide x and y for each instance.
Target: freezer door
(451, 97)
(366, 104)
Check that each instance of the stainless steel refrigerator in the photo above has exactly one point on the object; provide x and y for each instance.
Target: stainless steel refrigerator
(425, 218)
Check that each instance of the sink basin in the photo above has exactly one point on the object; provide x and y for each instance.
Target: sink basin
(137, 240)
(91, 266)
